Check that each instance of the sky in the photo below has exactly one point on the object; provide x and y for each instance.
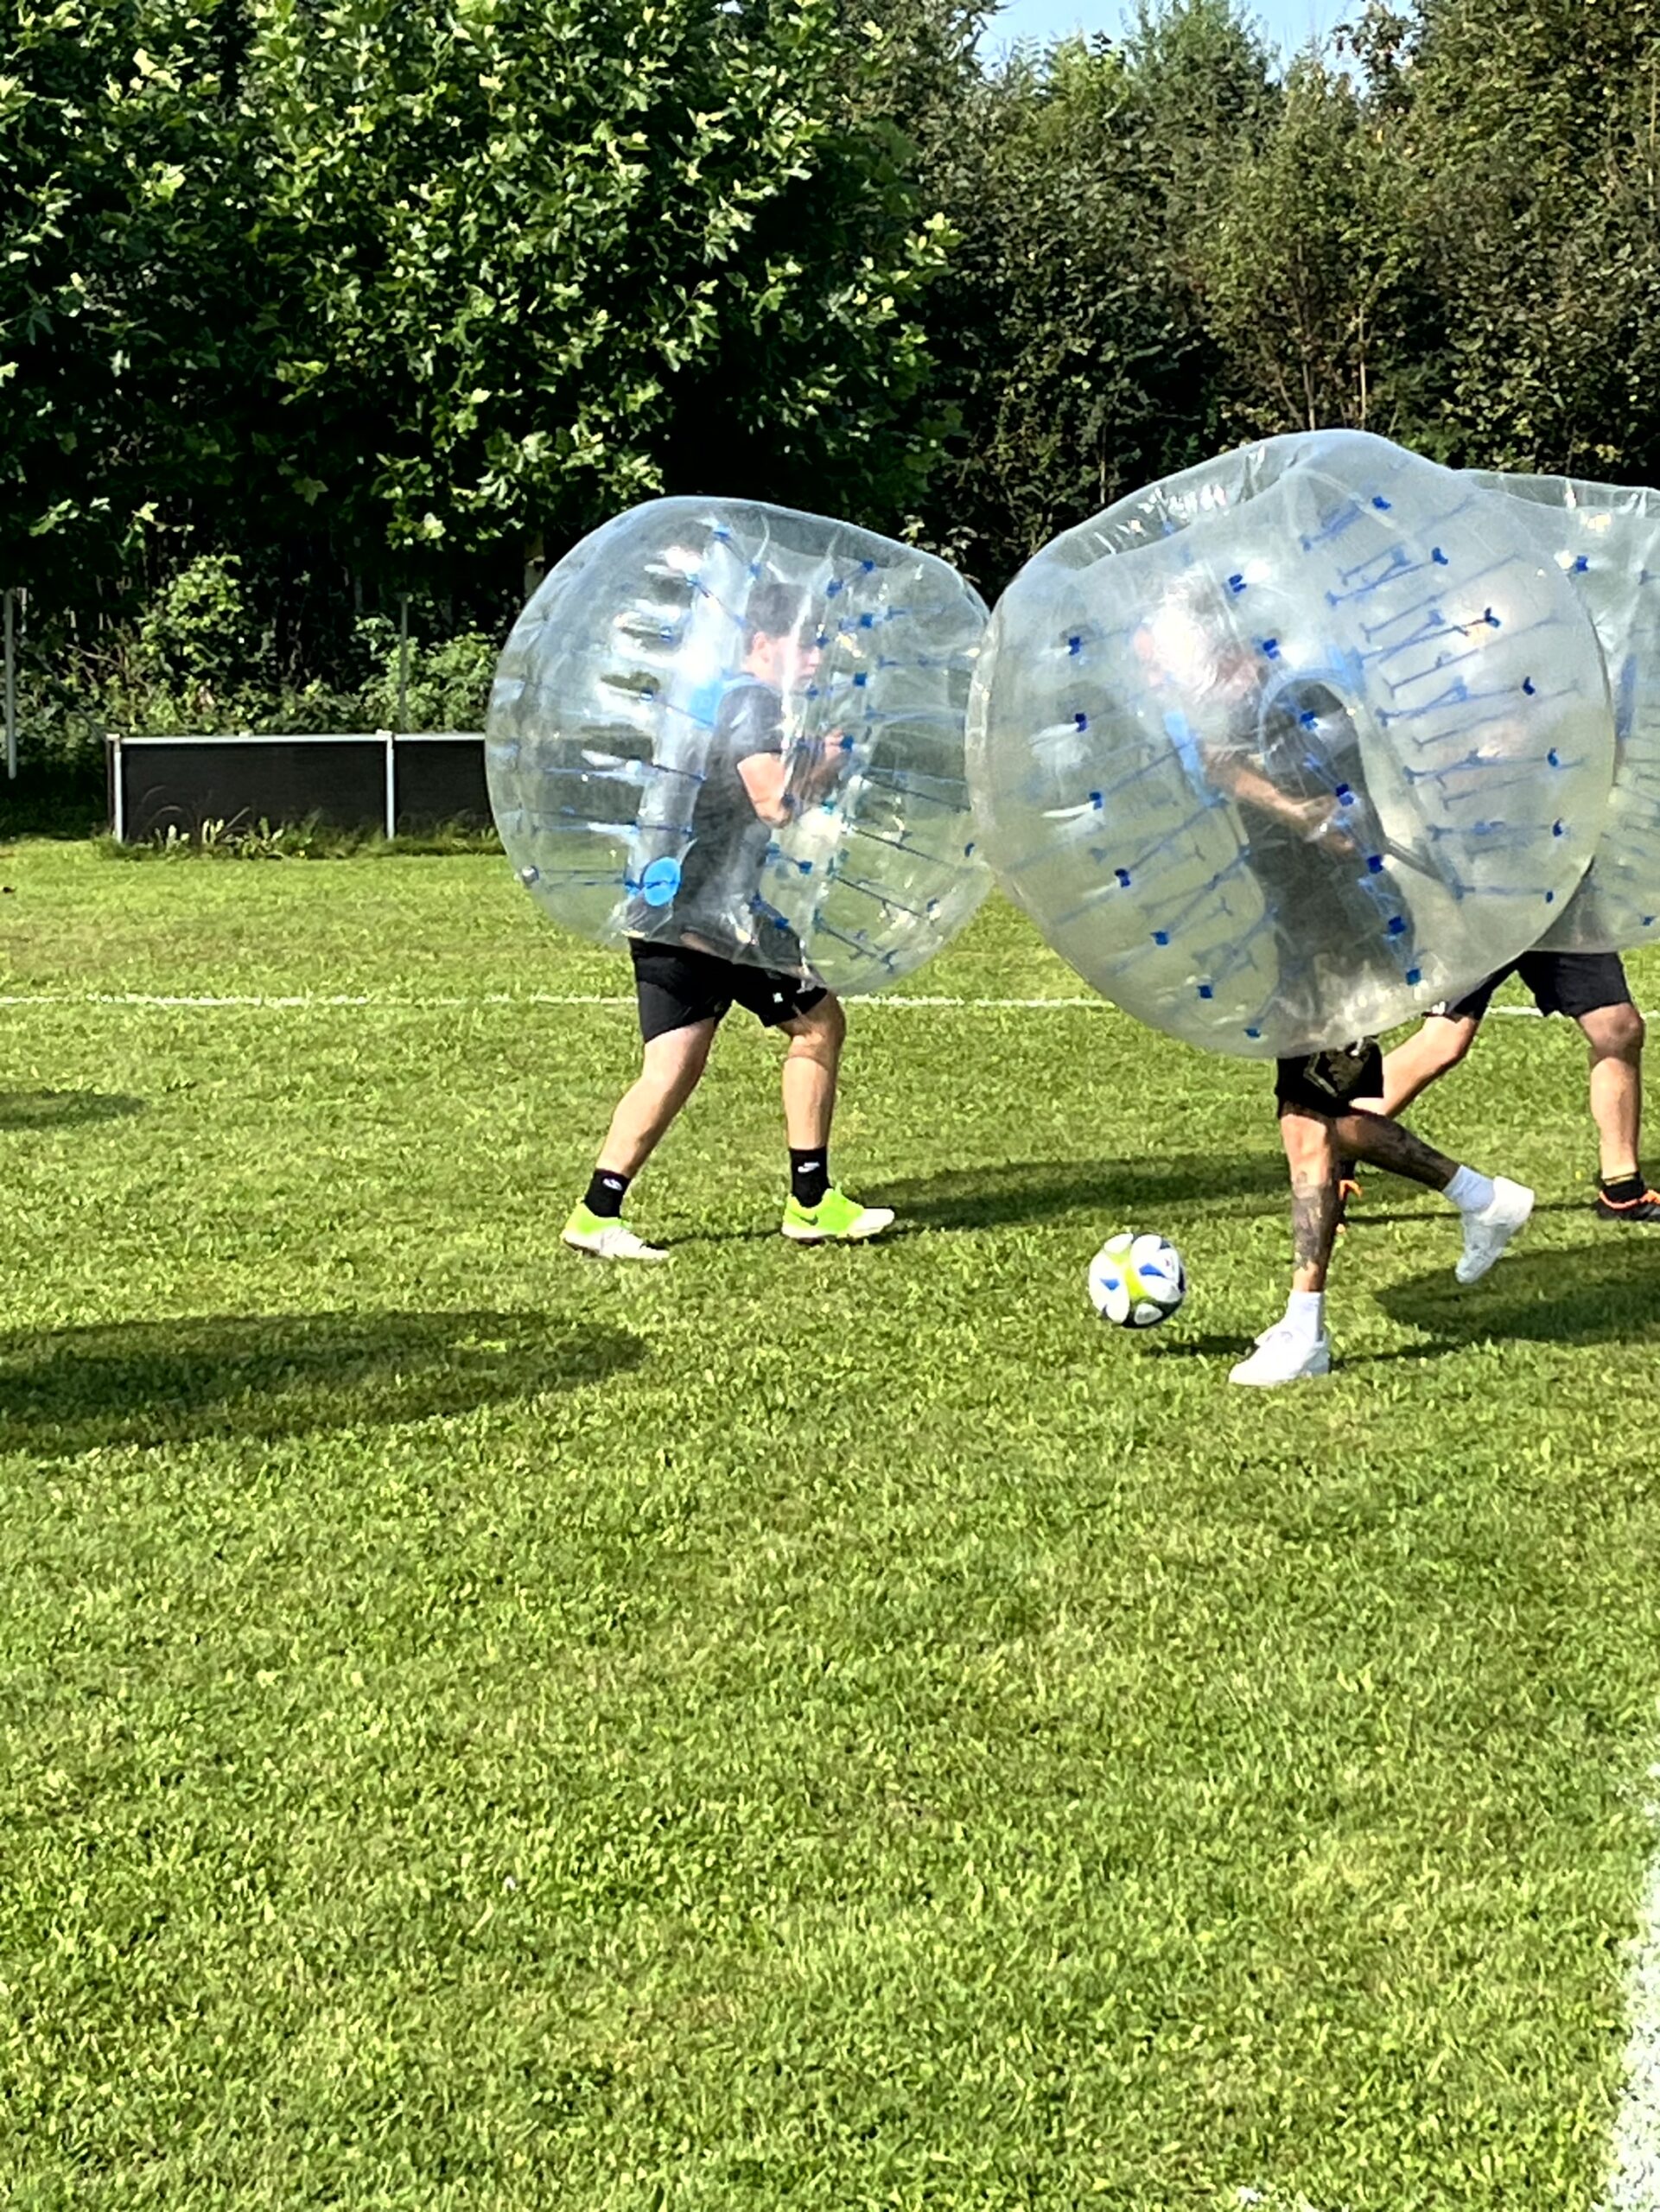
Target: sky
(1287, 23)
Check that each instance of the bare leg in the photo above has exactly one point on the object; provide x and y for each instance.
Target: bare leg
(1438, 1045)
(1372, 1137)
(1297, 1347)
(1311, 1154)
(673, 1064)
(1615, 1035)
(810, 1066)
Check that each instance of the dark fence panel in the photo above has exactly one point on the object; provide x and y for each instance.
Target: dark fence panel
(158, 784)
(439, 779)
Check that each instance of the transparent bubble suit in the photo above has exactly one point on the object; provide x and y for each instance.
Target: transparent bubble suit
(1289, 746)
(1605, 538)
(690, 634)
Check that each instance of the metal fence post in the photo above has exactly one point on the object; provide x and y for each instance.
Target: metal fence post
(11, 689)
(403, 661)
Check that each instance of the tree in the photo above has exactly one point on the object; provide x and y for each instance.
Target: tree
(129, 313)
(1068, 331)
(1307, 267)
(549, 257)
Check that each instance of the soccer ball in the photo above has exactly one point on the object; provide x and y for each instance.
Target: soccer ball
(1135, 1282)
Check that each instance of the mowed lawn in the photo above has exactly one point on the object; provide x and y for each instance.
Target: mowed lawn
(810, 1729)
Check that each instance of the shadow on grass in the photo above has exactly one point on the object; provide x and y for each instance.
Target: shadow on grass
(1208, 1346)
(1434, 1208)
(156, 1383)
(64, 1109)
(1037, 1190)
(1604, 1293)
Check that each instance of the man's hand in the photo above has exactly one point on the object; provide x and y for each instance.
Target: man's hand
(1316, 818)
(822, 763)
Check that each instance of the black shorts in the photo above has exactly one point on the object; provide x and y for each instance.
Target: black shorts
(1573, 984)
(676, 987)
(1329, 1083)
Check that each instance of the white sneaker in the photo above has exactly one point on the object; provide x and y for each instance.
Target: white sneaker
(608, 1240)
(1487, 1233)
(1284, 1355)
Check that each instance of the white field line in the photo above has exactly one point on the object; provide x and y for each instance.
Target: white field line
(1634, 2154)
(392, 1003)
(267, 1001)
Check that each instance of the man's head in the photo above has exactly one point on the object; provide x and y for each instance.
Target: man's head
(781, 638)
(1190, 639)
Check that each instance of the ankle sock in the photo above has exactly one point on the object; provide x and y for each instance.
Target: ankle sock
(1624, 1190)
(809, 1174)
(1469, 1192)
(1305, 1311)
(605, 1193)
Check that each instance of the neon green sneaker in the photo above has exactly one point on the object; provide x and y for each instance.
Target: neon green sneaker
(587, 1231)
(837, 1217)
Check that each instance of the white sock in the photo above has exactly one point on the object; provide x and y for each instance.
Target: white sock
(1469, 1192)
(1305, 1314)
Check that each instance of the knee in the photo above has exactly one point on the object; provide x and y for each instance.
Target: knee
(1308, 1141)
(672, 1069)
(1618, 1033)
(823, 1030)
(1450, 1042)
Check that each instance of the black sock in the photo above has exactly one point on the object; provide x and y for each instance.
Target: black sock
(809, 1174)
(605, 1192)
(1624, 1189)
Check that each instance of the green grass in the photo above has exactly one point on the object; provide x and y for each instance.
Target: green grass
(811, 1729)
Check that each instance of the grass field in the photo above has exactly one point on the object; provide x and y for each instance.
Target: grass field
(832, 1729)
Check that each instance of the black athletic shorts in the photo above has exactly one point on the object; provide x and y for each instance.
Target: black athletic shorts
(1573, 984)
(1329, 1083)
(676, 987)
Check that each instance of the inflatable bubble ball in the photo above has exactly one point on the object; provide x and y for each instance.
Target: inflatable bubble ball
(1607, 538)
(1288, 748)
(740, 728)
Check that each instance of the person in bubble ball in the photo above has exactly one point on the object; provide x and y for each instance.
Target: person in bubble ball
(1283, 762)
(755, 782)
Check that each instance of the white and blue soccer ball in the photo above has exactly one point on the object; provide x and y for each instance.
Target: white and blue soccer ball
(1136, 1281)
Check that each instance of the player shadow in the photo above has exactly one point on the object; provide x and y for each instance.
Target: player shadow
(270, 1377)
(64, 1109)
(1009, 1192)
(1365, 1217)
(1607, 1292)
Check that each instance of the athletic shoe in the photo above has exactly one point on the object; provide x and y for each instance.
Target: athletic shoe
(587, 1231)
(1487, 1233)
(835, 1215)
(1645, 1207)
(1284, 1355)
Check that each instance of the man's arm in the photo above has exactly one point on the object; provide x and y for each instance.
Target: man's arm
(1312, 818)
(778, 786)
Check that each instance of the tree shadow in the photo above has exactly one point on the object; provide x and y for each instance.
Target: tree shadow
(1604, 1293)
(1002, 1193)
(268, 1377)
(64, 1109)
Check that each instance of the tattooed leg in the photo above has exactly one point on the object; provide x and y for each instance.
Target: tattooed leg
(1387, 1144)
(1311, 1151)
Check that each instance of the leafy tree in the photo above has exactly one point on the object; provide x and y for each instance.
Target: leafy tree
(1534, 128)
(1068, 331)
(129, 316)
(548, 258)
(1308, 267)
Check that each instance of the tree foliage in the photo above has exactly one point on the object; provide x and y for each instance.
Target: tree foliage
(307, 303)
